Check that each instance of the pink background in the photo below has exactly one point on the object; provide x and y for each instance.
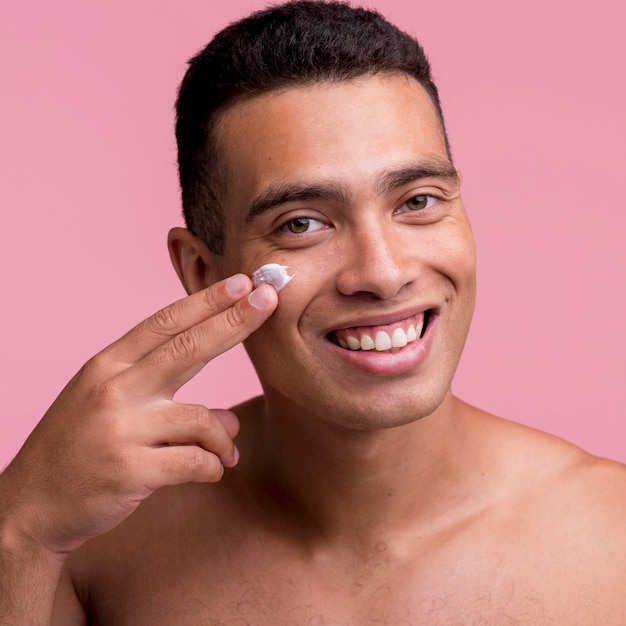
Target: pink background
(535, 99)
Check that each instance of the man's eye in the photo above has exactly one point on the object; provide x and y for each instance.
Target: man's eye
(303, 224)
(419, 203)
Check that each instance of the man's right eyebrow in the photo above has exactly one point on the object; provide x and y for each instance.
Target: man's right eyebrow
(282, 193)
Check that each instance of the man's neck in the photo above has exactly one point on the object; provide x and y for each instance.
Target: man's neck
(371, 484)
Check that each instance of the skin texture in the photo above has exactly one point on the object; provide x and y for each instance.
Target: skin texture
(374, 258)
(365, 492)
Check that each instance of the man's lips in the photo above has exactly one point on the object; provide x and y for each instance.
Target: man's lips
(382, 337)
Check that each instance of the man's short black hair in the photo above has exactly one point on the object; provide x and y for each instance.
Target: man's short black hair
(292, 44)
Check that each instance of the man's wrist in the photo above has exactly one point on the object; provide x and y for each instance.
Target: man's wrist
(26, 565)
(18, 545)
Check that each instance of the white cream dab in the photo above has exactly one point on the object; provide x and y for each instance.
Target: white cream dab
(273, 274)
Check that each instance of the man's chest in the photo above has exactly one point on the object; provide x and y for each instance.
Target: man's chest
(276, 593)
(263, 574)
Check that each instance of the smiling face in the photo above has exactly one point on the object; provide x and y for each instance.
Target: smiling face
(349, 184)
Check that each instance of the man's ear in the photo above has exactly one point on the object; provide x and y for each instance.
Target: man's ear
(193, 261)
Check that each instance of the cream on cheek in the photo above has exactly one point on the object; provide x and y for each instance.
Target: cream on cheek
(273, 274)
(284, 325)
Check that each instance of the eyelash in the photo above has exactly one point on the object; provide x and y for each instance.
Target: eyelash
(425, 210)
(284, 228)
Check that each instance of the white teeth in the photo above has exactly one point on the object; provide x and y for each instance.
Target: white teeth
(399, 338)
(367, 343)
(383, 341)
(353, 343)
(411, 334)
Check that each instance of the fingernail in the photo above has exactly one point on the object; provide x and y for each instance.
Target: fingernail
(258, 298)
(236, 454)
(236, 284)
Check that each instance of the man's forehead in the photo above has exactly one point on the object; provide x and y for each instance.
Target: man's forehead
(321, 126)
(288, 99)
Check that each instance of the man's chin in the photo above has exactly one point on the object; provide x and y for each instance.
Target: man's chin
(356, 412)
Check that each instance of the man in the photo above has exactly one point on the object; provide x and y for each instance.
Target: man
(360, 490)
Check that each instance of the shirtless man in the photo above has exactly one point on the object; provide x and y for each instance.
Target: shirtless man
(360, 491)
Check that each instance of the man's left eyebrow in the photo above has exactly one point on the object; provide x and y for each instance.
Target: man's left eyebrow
(439, 168)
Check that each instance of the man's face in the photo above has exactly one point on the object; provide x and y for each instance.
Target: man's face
(349, 184)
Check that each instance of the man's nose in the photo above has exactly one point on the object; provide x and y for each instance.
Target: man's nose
(377, 261)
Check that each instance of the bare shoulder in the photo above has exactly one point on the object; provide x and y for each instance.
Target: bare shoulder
(552, 478)
(575, 499)
(593, 490)
(566, 473)
(532, 457)
(582, 511)
(558, 521)
(599, 480)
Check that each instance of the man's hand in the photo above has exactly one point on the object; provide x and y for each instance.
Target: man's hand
(115, 434)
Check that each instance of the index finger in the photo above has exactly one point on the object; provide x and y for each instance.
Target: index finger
(178, 317)
(163, 371)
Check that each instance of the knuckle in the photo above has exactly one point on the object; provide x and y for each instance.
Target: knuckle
(165, 320)
(183, 346)
(200, 417)
(202, 465)
(106, 394)
(209, 300)
(196, 460)
(195, 418)
(94, 368)
(234, 318)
